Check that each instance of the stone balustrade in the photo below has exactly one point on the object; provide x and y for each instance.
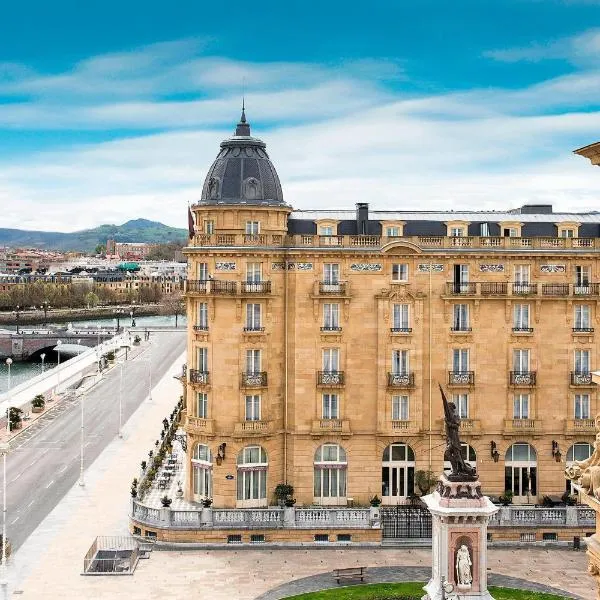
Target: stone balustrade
(540, 516)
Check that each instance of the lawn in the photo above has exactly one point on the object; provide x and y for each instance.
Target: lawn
(408, 591)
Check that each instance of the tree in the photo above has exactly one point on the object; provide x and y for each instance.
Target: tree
(173, 305)
(425, 480)
(100, 249)
(91, 299)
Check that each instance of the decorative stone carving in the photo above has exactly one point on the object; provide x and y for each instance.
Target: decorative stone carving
(553, 268)
(425, 268)
(586, 473)
(464, 563)
(225, 266)
(278, 266)
(372, 267)
(292, 266)
(304, 266)
(491, 268)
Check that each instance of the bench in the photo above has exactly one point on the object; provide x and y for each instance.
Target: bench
(350, 573)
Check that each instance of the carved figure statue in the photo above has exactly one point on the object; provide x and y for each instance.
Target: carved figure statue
(463, 566)
(461, 471)
(213, 187)
(586, 473)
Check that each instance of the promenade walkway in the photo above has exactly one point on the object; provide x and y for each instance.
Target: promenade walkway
(49, 563)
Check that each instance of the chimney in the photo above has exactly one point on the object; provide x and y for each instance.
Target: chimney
(536, 209)
(362, 218)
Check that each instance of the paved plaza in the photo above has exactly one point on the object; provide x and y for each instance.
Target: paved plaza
(49, 563)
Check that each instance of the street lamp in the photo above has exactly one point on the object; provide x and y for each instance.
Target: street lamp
(118, 314)
(121, 400)
(132, 314)
(43, 357)
(9, 362)
(81, 481)
(45, 306)
(17, 312)
(58, 345)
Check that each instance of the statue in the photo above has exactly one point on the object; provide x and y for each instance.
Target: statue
(461, 471)
(463, 567)
(586, 473)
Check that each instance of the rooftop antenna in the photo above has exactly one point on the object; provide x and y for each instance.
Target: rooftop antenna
(243, 119)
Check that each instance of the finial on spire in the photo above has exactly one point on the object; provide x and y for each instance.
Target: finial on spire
(243, 119)
(243, 128)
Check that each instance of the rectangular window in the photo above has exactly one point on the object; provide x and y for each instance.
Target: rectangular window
(521, 406)
(331, 360)
(331, 316)
(457, 231)
(460, 320)
(400, 408)
(582, 316)
(484, 229)
(202, 271)
(202, 405)
(582, 277)
(209, 227)
(521, 317)
(400, 272)
(252, 227)
(401, 316)
(330, 406)
(203, 315)
(253, 272)
(393, 231)
(253, 317)
(462, 405)
(253, 407)
(521, 361)
(326, 230)
(582, 406)
(253, 361)
(203, 360)
(460, 360)
(257, 538)
(582, 361)
(460, 278)
(400, 362)
(522, 273)
(567, 233)
(331, 273)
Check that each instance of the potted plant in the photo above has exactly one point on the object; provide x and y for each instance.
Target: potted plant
(375, 501)
(282, 492)
(206, 502)
(15, 418)
(179, 493)
(136, 340)
(506, 498)
(133, 492)
(110, 356)
(143, 465)
(38, 403)
(289, 502)
(166, 501)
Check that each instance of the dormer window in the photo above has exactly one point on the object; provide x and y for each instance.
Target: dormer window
(511, 232)
(484, 229)
(568, 230)
(326, 230)
(392, 232)
(457, 231)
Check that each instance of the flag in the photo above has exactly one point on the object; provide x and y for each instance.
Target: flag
(191, 223)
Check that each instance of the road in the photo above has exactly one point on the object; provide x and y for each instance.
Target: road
(44, 461)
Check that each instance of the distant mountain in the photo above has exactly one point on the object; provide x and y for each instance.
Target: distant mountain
(136, 230)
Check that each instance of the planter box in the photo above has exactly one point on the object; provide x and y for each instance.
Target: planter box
(37, 409)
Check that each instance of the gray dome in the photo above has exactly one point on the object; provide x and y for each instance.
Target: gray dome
(242, 172)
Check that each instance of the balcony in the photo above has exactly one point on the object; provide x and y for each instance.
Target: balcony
(461, 378)
(199, 377)
(555, 289)
(581, 379)
(522, 329)
(328, 426)
(330, 378)
(521, 426)
(252, 428)
(196, 286)
(522, 378)
(492, 288)
(327, 288)
(461, 288)
(222, 288)
(197, 426)
(583, 330)
(256, 287)
(400, 330)
(470, 427)
(255, 239)
(586, 289)
(201, 327)
(253, 329)
(524, 289)
(461, 329)
(580, 426)
(401, 380)
(254, 380)
(331, 329)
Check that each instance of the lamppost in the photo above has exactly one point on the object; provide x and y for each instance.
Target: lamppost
(118, 314)
(81, 481)
(16, 313)
(9, 362)
(58, 345)
(43, 357)
(45, 306)
(132, 313)
(121, 401)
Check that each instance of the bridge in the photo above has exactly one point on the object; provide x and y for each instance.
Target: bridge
(29, 344)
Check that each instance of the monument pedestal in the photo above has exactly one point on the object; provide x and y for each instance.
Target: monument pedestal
(459, 546)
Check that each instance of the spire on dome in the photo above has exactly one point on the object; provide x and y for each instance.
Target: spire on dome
(243, 128)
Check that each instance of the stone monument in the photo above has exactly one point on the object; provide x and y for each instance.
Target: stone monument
(460, 514)
(585, 475)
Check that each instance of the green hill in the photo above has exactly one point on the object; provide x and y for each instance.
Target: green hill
(136, 230)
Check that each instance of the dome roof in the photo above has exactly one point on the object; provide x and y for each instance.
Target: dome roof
(242, 173)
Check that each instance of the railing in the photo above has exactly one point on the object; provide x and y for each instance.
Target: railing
(461, 377)
(538, 516)
(253, 328)
(582, 426)
(578, 378)
(255, 239)
(258, 379)
(253, 426)
(330, 378)
(332, 517)
(223, 288)
(462, 328)
(502, 289)
(587, 289)
(326, 328)
(331, 424)
(401, 329)
(401, 380)
(200, 425)
(198, 286)
(492, 288)
(401, 424)
(336, 288)
(256, 287)
(522, 424)
(524, 289)
(461, 288)
(201, 327)
(555, 289)
(583, 330)
(522, 378)
(522, 329)
(197, 376)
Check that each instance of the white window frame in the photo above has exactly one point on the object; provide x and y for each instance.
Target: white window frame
(202, 405)
(581, 408)
(400, 272)
(201, 472)
(392, 231)
(203, 315)
(401, 316)
(326, 230)
(252, 478)
(521, 406)
(253, 272)
(331, 360)
(331, 315)
(521, 315)
(523, 467)
(460, 317)
(252, 407)
(457, 232)
(582, 316)
(252, 227)
(400, 362)
(202, 271)
(460, 360)
(330, 467)
(330, 406)
(401, 408)
(582, 361)
(202, 359)
(253, 316)
(253, 361)
(331, 273)
(521, 360)
(461, 402)
(209, 226)
(400, 472)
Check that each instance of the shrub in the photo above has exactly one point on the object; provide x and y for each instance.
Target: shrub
(425, 481)
(375, 500)
(110, 355)
(14, 417)
(506, 498)
(39, 401)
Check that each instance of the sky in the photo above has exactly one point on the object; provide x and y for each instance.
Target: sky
(111, 111)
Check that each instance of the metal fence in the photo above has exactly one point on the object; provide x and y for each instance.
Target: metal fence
(111, 555)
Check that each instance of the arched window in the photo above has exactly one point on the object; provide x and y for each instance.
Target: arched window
(469, 456)
(330, 467)
(202, 472)
(397, 473)
(252, 469)
(578, 451)
(520, 470)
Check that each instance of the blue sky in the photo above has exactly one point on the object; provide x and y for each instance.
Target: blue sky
(114, 110)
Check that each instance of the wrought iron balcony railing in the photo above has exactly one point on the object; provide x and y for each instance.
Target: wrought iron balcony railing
(258, 379)
(401, 329)
(524, 289)
(583, 330)
(331, 328)
(461, 377)
(256, 287)
(328, 287)
(401, 380)
(525, 378)
(201, 377)
(462, 328)
(203, 327)
(223, 288)
(461, 288)
(494, 288)
(198, 286)
(330, 378)
(523, 329)
(581, 378)
(255, 328)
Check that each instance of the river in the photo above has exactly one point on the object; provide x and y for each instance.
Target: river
(22, 371)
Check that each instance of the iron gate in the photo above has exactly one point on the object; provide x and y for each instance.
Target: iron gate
(404, 521)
